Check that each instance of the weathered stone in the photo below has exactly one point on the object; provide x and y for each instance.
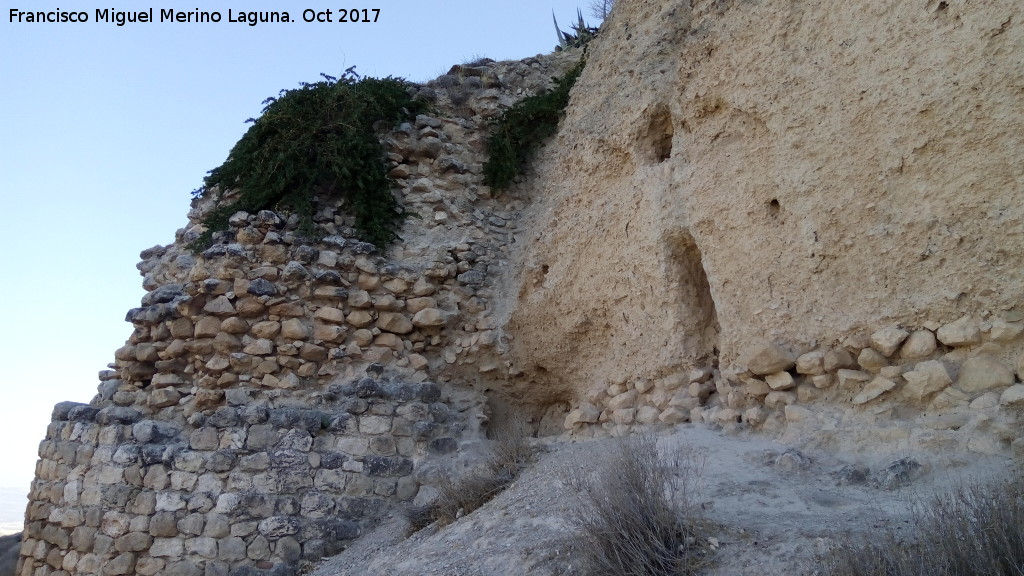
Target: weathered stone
(360, 319)
(852, 379)
(673, 415)
(172, 548)
(780, 381)
(872, 360)
(925, 379)
(163, 397)
(1013, 396)
(981, 373)
(219, 306)
(768, 359)
(387, 466)
(295, 329)
(585, 414)
(624, 400)
(811, 363)
(838, 358)
(873, 390)
(312, 352)
(261, 287)
(133, 542)
(394, 322)
(359, 299)
(623, 416)
(647, 415)
(332, 315)
(121, 564)
(207, 327)
(950, 398)
(234, 325)
(389, 340)
(822, 380)
(429, 317)
(218, 364)
(777, 399)
(757, 388)
(260, 347)
(888, 340)
(288, 309)
(328, 332)
(962, 332)
(1003, 331)
(374, 425)
(363, 337)
(423, 287)
(208, 398)
(920, 344)
(266, 329)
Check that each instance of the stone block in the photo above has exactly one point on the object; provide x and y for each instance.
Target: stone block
(872, 360)
(811, 363)
(888, 340)
(394, 322)
(1013, 396)
(874, 389)
(295, 329)
(981, 373)
(780, 381)
(925, 379)
(851, 379)
(838, 358)
(429, 317)
(767, 358)
(962, 332)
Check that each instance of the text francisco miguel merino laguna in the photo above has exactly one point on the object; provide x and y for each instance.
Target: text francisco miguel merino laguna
(122, 17)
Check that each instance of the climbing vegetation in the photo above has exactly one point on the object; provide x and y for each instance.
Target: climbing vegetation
(320, 139)
(523, 127)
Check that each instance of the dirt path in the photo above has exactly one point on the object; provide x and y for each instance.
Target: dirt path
(778, 508)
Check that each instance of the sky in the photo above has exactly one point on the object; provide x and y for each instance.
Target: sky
(105, 129)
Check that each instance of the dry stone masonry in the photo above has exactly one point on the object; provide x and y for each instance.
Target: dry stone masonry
(276, 390)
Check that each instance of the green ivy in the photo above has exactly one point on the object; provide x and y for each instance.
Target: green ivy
(318, 139)
(524, 127)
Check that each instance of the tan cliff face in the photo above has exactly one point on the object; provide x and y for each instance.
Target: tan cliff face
(737, 173)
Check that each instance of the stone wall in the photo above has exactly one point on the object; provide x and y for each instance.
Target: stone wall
(277, 391)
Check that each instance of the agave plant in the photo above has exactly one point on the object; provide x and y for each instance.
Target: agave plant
(581, 32)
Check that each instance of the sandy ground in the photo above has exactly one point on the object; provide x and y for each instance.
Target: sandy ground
(776, 509)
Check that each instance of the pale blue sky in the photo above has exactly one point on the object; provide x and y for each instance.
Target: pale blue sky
(105, 130)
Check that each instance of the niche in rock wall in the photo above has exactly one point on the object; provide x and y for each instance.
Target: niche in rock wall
(696, 310)
(655, 139)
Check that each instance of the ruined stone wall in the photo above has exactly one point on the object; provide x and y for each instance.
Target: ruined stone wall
(278, 391)
(736, 176)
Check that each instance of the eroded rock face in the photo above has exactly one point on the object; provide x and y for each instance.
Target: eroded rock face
(734, 174)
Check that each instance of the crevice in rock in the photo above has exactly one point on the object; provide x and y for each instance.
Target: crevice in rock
(656, 138)
(697, 311)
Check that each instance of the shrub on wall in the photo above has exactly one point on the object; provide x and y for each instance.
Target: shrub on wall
(320, 138)
(524, 127)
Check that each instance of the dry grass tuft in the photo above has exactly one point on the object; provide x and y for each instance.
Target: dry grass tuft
(637, 514)
(511, 452)
(972, 531)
